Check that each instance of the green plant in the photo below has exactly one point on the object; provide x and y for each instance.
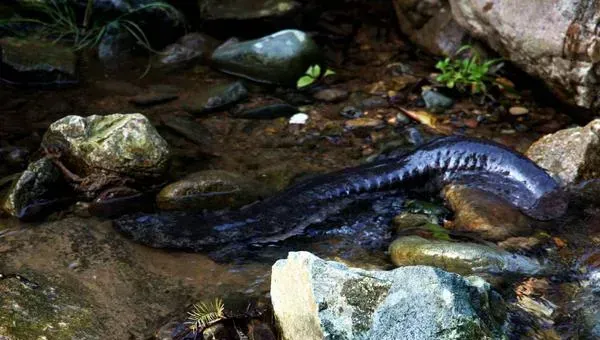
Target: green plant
(312, 74)
(469, 73)
(203, 314)
(58, 21)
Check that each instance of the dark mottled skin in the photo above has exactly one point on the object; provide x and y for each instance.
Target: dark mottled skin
(480, 163)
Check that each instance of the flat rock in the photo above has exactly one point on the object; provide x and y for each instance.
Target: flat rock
(31, 62)
(461, 258)
(264, 108)
(246, 9)
(153, 98)
(217, 98)
(317, 299)
(210, 189)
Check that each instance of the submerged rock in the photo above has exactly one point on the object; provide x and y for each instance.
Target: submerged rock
(462, 258)
(189, 48)
(153, 98)
(217, 98)
(35, 310)
(126, 144)
(317, 299)
(210, 189)
(485, 214)
(571, 155)
(246, 9)
(31, 62)
(280, 58)
(35, 186)
(264, 108)
(331, 95)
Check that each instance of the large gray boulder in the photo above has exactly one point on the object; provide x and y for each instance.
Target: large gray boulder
(317, 299)
(125, 144)
(570, 155)
(557, 41)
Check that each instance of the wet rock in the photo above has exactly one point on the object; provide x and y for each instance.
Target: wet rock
(461, 258)
(217, 332)
(190, 129)
(317, 299)
(35, 185)
(260, 331)
(518, 111)
(430, 25)
(125, 144)
(362, 123)
(117, 87)
(280, 58)
(551, 40)
(331, 95)
(571, 155)
(589, 304)
(374, 102)
(115, 47)
(172, 330)
(190, 48)
(217, 98)
(351, 112)
(264, 108)
(246, 9)
(408, 221)
(437, 102)
(32, 62)
(14, 157)
(153, 98)
(35, 309)
(210, 189)
(485, 214)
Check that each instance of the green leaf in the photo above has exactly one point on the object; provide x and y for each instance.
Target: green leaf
(305, 81)
(329, 72)
(314, 71)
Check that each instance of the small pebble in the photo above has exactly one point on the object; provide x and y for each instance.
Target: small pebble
(299, 118)
(351, 112)
(518, 110)
(331, 95)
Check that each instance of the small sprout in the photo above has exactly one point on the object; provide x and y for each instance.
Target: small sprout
(312, 74)
(203, 314)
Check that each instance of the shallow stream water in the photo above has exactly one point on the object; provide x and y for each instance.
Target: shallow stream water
(133, 290)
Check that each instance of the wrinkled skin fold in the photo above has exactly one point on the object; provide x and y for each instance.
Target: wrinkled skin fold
(447, 160)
